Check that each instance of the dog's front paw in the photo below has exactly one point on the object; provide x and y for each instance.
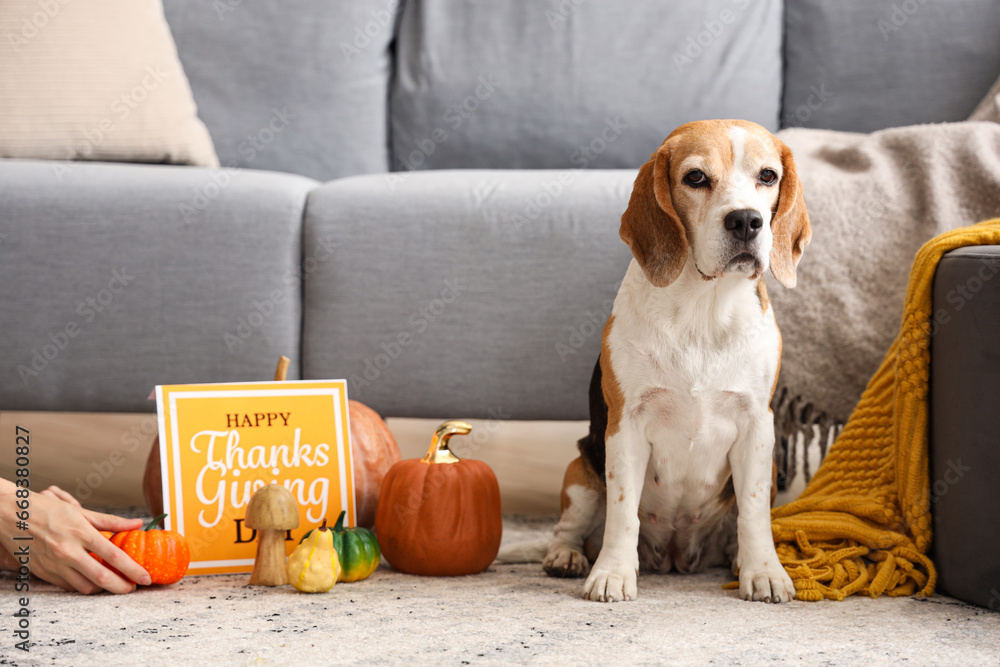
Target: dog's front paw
(766, 581)
(611, 581)
(564, 561)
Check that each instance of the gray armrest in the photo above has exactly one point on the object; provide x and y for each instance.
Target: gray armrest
(965, 424)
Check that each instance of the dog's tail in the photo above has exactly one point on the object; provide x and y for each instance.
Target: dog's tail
(531, 551)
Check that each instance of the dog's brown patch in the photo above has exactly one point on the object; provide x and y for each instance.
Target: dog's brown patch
(614, 397)
(777, 372)
(727, 495)
(578, 473)
(790, 222)
(774, 482)
(774, 387)
(650, 225)
(765, 302)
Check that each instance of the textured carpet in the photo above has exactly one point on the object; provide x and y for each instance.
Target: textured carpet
(509, 614)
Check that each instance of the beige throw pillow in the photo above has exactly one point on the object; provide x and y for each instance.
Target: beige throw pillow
(95, 80)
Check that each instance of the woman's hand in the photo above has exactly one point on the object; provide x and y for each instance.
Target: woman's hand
(62, 534)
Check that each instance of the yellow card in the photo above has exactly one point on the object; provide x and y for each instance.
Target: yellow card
(221, 442)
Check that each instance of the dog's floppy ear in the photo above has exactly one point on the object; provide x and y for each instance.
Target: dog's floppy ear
(651, 226)
(790, 222)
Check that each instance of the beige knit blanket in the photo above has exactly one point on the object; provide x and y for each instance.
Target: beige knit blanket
(873, 200)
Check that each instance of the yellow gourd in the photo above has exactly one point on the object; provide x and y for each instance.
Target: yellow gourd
(314, 565)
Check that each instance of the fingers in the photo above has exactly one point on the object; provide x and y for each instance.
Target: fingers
(56, 579)
(73, 569)
(111, 554)
(74, 581)
(55, 492)
(100, 577)
(95, 581)
(119, 560)
(111, 522)
(77, 573)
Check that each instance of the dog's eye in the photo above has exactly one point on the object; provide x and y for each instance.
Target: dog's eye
(768, 177)
(696, 179)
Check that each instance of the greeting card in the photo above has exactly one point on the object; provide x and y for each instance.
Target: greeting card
(221, 442)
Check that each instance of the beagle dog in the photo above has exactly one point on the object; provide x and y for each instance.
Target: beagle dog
(677, 471)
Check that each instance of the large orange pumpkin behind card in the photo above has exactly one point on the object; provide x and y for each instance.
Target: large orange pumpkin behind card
(440, 515)
(374, 452)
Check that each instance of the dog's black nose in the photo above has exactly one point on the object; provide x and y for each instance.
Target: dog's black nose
(744, 224)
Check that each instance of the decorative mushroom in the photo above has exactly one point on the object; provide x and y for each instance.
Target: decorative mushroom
(272, 510)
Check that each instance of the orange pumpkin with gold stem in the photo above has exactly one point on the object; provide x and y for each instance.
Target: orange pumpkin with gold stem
(440, 515)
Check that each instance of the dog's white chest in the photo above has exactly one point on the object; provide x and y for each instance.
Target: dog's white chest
(692, 402)
(690, 431)
(683, 508)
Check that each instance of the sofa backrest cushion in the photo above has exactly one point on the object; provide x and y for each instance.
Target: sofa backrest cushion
(865, 65)
(298, 86)
(568, 83)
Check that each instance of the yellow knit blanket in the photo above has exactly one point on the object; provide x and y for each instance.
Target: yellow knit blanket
(863, 523)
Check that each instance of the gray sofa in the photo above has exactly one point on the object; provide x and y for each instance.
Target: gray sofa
(424, 196)
(475, 283)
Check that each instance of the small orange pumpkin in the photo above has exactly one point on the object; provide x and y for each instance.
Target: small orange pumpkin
(440, 515)
(164, 554)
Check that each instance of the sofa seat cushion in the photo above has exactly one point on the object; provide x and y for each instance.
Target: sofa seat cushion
(463, 293)
(121, 277)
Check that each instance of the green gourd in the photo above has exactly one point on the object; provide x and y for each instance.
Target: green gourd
(357, 548)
